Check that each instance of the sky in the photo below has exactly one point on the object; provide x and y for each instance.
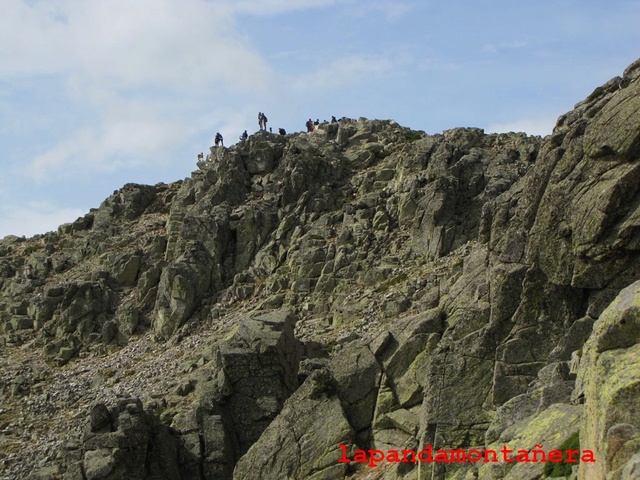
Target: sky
(95, 94)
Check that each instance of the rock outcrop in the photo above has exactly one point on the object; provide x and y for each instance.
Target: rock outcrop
(609, 385)
(363, 285)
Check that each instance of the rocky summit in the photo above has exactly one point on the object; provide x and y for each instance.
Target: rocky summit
(363, 301)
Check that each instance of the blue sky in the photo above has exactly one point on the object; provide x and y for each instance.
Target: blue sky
(98, 93)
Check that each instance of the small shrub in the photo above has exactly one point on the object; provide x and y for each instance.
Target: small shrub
(391, 282)
(166, 416)
(595, 94)
(324, 384)
(412, 136)
(33, 248)
(563, 469)
(331, 346)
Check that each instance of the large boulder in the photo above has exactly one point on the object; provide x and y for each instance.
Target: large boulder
(609, 384)
(125, 442)
(260, 362)
(239, 393)
(303, 440)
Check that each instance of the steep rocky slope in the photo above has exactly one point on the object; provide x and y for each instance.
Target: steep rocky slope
(364, 285)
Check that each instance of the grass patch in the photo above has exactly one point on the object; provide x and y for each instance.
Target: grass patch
(33, 248)
(563, 469)
(392, 282)
(166, 416)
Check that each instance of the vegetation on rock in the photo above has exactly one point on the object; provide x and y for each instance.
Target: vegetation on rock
(563, 469)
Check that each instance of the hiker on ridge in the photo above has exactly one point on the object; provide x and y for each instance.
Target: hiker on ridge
(219, 140)
(262, 121)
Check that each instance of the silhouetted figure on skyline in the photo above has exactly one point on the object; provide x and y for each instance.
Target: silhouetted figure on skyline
(262, 121)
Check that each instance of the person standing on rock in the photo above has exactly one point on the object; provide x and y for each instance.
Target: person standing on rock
(219, 140)
(309, 126)
(244, 136)
(264, 122)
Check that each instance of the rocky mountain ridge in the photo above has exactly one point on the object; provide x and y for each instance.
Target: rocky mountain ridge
(364, 285)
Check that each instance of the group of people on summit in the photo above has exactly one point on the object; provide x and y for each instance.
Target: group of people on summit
(262, 123)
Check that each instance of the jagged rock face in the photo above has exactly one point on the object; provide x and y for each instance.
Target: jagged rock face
(236, 396)
(239, 393)
(586, 229)
(127, 443)
(609, 384)
(411, 288)
(308, 427)
(285, 217)
(73, 286)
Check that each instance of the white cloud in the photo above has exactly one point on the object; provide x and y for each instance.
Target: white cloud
(391, 11)
(273, 7)
(138, 78)
(59, 160)
(127, 44)
(505, 46)
(348, 70)
(35, 218)
(542, 126)
(109, 146)
(133, 74)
